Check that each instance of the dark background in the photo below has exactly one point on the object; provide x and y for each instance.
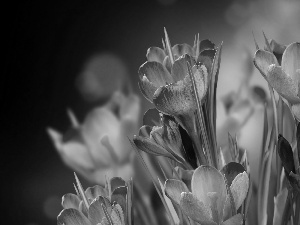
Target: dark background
(46, 45)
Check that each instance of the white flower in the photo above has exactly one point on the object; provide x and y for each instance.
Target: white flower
(99, 146)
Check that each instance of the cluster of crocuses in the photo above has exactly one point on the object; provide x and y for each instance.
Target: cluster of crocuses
(205, 185)
(109, 205)
(280, 66)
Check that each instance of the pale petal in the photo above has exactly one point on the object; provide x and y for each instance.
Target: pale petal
(99, 122)
(147, 88)
(179, 69)
(291, 60)
(72, 217)
(145, 131)
(283, 83)
(155, 54)
(296, 111)
(279, 204)
(182, 49)
(263, 59)
(239, 188)
(96, 191)
(156, 73)
(174, 188)
(195, 209)
(70, 201)
(235, 220)
(208, 179)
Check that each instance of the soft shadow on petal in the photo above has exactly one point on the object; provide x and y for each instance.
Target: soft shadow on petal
(276, 47)
(235, 220)
(291, 60)
(155, 54)
(70, 201)
(72, 217)
(147, 88)
(262, 61)
(174, 188)
(145, 131)
(195, 209)
(208, 179)
(239, 188)
(286, 155)
(116, 182)
(283, 83)
(96, 191)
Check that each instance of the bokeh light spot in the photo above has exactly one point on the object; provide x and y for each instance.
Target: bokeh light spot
(101, 75)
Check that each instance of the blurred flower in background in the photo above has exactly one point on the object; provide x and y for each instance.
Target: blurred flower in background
(101, 75)
(99, 147)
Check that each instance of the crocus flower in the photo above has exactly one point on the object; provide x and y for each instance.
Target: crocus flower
(209, 202)
(99, 145)
(284, 78)
(97, 205)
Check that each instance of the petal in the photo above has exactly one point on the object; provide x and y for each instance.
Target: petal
(262, 60)
(151, 117)
(174, 188)
(99, 122)
(70, 201)
(119, 196)
(116, 182)
(285, 152)
(152, 76)
(276, 47)
(291, 60)
(208, 179)
(130, 110)
(96, 191)
(231, 170)
(182, 49)
(194, 208)
(95, 212)
(146, 145)
(206, 44)
(144, 131)
(156, 73)
(283, 83)
(72, 217)
(179, 69)
(175, 99)
(279, 204)
(155, 54)
(296, 111)
(207, 57)
(117, 215)
(239, 188)
(235, 220)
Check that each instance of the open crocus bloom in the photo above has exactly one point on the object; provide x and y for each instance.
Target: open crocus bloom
(96, 205)
(285, 79)
(209, 203)
(99, 146)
